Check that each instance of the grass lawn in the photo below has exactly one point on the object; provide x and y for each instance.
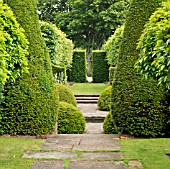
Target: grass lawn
(88, 88)
(12, 150)
(151, 152)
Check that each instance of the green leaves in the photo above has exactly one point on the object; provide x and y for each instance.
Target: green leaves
(13, 46)
(60, 48)
(154, 46)
(112, 46)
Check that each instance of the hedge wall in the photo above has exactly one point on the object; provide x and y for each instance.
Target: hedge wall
(60, 48)
(100, 68)
(31, 102)
(136, 103)
(78, 71)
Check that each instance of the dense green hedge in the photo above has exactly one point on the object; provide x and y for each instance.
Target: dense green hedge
(112, 71)
(31, 103)
(60, 48)
(108, 125)
(104, 101)
(100, 68)
(78, 71)
(70, 119)
(59, 73)
(137, 107)
(66, 95)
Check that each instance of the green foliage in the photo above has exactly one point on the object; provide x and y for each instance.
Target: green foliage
(88, 23)
(112, 46)
(60, 75)
(100, 68)
(13, 46)
(137, 105)
(111, 74)
(70, 119)
(60, 48)
(66, 95)
(108, 125)
(78, 71)
(104, 101)
(31, 103)
(154, 46)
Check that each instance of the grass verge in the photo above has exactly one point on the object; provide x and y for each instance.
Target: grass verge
(88, 88)
(151, 152)
(12, 150)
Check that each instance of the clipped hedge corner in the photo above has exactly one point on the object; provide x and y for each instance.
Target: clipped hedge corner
(108, 125)
(104, 101)
(78, 71)
(100, 68)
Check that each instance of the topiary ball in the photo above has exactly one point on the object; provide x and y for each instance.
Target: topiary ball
(104, 100)
(108, 125)
(66, 95)
(70, 119)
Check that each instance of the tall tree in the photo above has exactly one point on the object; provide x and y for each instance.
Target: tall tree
(87, 22)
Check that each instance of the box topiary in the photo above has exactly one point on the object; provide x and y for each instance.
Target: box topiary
(137, 107)
(108, 125)
(31, 102)
(70, 119)
(104, 101)
(65, 94)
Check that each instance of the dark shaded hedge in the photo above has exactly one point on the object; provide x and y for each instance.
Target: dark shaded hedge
(137, 106)
(66, 95)
(70, 119)
(100, 67)
(104, 101)
(78, 71)
(108, 125)
(31, 103)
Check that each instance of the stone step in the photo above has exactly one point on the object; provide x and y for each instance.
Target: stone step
(86, 98)
(94, 119)
(87, 101)
(86, 95)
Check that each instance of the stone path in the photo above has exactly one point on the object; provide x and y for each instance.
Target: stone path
(91, 150)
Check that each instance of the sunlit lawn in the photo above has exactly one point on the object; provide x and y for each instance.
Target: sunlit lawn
(12, 150)
(151, 152)
(88, 88)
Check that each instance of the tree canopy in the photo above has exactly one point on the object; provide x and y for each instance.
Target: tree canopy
(154, 46)
(88, 23)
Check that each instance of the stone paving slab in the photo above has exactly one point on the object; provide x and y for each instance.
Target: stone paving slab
(61, 142)
(98, 142)
(48, 164)
(94, 128)
(89, 142)
(96, 165)
(53, 155)
(101, 155)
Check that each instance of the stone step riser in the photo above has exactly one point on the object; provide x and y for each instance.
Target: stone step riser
(88, 95)
(86, 98)
(87, 101)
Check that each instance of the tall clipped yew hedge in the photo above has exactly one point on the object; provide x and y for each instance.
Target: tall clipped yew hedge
(100, 68)
(31, 102)
(78, 71)
(137, 107)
